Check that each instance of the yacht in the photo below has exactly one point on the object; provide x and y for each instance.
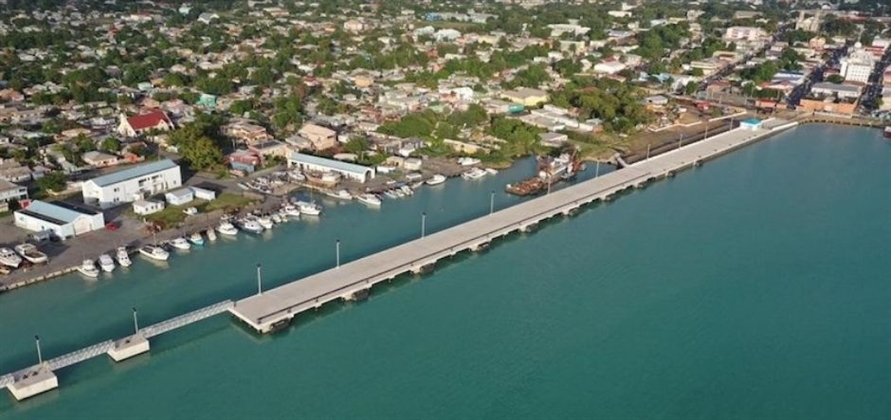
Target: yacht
(291, 211)
(475, 173)
(250, 225)
(30, 253)
(211, 235)
(9, 258)
(180, 243)
(88, 268)
(226, 228)
(276, 218)
(309, 208)
(266, 222)
(106, 263)
(468, 161)
(407, 190)
(123, 257)
(340, 194)
(369, 199)
(154, 252)
(196, 239)
(436, 180)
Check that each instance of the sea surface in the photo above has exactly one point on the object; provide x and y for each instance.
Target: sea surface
(757, 286)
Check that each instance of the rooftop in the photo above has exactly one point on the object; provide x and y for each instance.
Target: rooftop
(333, 164)
(133, 172)
(58, 212)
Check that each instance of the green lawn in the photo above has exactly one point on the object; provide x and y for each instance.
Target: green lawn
(174, 215)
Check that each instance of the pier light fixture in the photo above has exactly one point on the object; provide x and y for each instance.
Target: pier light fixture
(39, 355)
(423, 224)
(135, 322)
(259, 280)
(597, 169)
(337, 252)
(492, 202)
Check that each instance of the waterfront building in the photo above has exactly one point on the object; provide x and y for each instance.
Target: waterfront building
(180, 197)
(131, 184)
(64, 220)
(146, 207)
(319, 164)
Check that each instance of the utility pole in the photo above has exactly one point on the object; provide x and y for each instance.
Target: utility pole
(39, 355)
(259, 281)
(337, 251)
(423, 224)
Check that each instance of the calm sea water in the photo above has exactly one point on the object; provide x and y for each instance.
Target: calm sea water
(756, 286)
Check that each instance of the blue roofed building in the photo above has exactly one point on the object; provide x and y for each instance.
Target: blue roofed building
(64, 220)
(134, 183)
(310, 163)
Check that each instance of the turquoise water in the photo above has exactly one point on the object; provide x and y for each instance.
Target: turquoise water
(756, 286)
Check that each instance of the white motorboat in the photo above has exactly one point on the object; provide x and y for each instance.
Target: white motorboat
(266, 222)
(180, 243)
(9, 258)
(211, 235)
(309, 208)
(492, 171)
(436, 180)
(154, 252)
(391, 194)
(228, 229)
(369, 199)
(30, 253)
(196, 239)
(340, 194)
(468, 161)
(88, 268)
(407, 190)
(123, 257)
(106, 263)
(250, 225)
(475, 173)
(291, 211)
(276, 218)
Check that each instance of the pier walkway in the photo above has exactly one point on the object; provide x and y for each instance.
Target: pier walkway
(275, 308)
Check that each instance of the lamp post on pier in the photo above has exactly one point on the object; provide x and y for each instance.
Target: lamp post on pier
(337, 252)
(423, 224)
(259, 280)
(135, 322)
(39, 355)
(492, 202)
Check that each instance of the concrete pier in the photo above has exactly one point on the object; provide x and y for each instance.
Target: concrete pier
(267, 312)
(36, 380)
(128, 347)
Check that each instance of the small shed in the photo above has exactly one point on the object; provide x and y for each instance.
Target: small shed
(203, 193)
(146, 207)
(412, 164)
(180, 196)
(750, 124)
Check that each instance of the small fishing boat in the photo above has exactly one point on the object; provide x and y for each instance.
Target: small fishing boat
(468, 161)
(407, 190)
(211, 235)
(492, 171)
(475, 173)
(123, 257)
(369, 199)
(250, 225)
(88, 268)
(180, 243)
(196, 239)
(276, 218)
(309, 208)
(266, 222)
(291, 211)
(340, 194)
(31, 254)
(436, 180)
(390, 194)
(154, 252)
(9, 258)
(106, 263)
(228, 229)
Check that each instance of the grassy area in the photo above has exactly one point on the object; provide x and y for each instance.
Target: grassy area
(174, 215)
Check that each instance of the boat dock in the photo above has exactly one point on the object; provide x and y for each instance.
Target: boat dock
(274, 309)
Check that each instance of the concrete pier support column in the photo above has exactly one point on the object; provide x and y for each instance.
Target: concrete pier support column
(36, 380)
(128, 347)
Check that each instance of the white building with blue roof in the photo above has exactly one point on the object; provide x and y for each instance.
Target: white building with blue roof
(132, 184)
(64, 220)
(347, 170)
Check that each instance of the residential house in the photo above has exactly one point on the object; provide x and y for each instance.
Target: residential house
(10, 192)
(321, 137)
(142, 123)
(98, 159)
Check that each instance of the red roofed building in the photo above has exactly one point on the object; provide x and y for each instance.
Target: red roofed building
(139, 124)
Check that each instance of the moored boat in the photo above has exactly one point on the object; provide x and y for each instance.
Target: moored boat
(475, 173)
(888, 132)
(30, 253)
(340, 194)
(308, 208)
(211, 235)
(106, 263)
(196, 239)
(266, 222)
(468, 161)
(291, 211)
(228, 229)
(180, 243)
(250, 225)
(123, 257)
(436, 180)
(88, 268)
(154, 252)
(369, 199)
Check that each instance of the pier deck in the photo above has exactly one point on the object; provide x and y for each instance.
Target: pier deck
(265, 312)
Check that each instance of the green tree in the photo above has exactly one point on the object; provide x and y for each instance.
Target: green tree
(53, 181)
(110, 144)
(835, 78)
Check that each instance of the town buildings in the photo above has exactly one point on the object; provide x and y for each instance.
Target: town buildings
(132, 184)
(64, 220)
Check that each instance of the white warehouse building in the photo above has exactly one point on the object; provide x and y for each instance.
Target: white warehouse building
(64, 220)
(132, 184)
(319, 164)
